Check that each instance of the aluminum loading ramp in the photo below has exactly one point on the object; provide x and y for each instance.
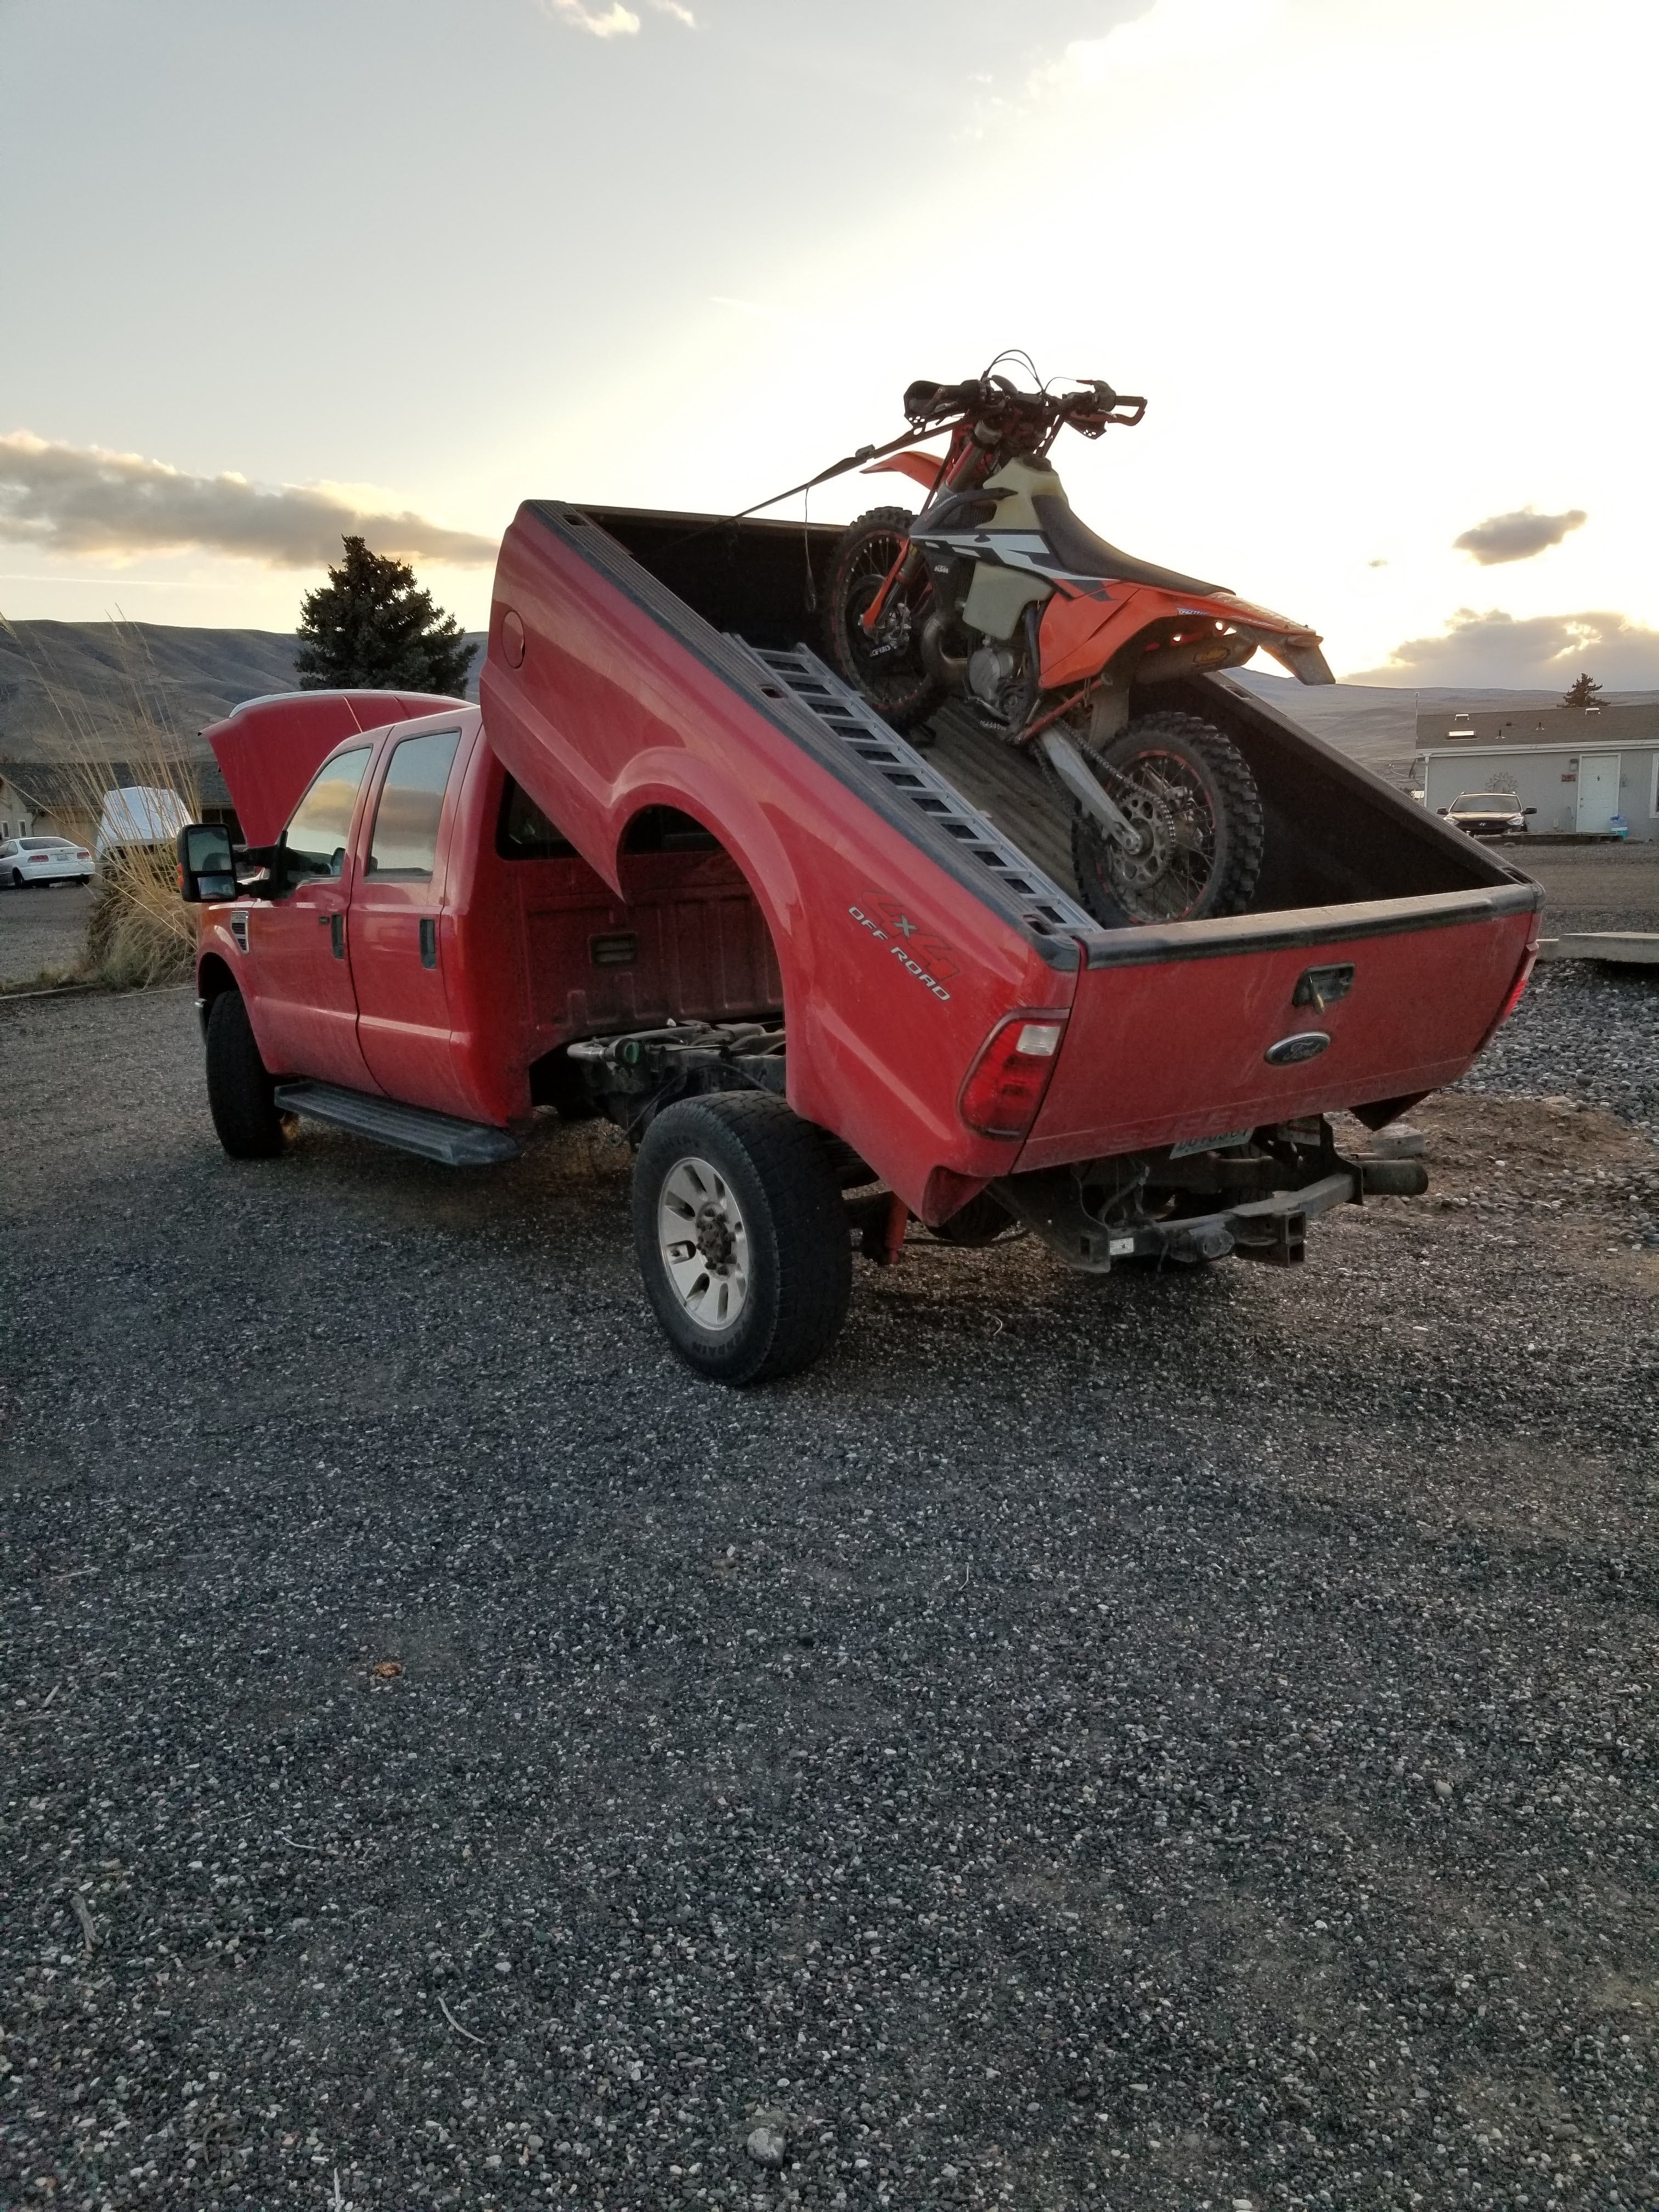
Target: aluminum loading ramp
(1008, 785)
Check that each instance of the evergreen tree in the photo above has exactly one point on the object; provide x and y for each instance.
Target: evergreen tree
(371, 625)
(1585, 692)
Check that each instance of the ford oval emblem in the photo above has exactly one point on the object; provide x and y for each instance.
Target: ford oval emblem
(1306, 1045)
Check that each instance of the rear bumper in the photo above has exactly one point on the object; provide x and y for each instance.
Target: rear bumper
(1273, 1229)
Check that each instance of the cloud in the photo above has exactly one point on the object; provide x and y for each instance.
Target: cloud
(1499, 648)
(614, 21)
(78, 500)
(1166, 34)
(1519, 536)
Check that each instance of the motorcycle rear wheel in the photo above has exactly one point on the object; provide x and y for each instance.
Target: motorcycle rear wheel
(1189, 787)
(887, 669)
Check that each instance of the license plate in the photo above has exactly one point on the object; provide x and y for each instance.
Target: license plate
(1209, 1144)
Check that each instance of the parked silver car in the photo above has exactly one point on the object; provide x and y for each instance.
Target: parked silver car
(26, 860)
(1488, 814)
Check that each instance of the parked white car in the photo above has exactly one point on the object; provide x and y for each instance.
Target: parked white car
(26, 860)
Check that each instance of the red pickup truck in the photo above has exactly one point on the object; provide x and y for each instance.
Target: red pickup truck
(829, 980)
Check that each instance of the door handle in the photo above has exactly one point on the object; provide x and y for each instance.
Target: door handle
(428, 942)
(337, 935)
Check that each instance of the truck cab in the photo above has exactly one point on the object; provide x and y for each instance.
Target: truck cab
(421, 933)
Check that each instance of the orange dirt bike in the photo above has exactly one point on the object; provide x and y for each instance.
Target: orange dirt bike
(997, 593)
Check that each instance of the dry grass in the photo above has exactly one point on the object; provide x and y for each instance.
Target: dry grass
(139, 931)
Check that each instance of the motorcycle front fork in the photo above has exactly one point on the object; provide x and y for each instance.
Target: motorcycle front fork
(903, 571)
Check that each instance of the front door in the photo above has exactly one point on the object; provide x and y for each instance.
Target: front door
(304, 1009)
(1598, 789)
(397, 925)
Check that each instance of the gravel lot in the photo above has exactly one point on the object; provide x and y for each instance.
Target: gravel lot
(1593, 886)
(1170, 1742)
(1584, 1029)
(41, 931)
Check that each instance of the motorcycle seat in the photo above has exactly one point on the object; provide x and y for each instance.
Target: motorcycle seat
(1082, 554)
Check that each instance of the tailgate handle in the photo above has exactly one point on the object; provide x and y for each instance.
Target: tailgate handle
(1322, 987)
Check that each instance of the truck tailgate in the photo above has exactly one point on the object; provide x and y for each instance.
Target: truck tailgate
(1171, 1030)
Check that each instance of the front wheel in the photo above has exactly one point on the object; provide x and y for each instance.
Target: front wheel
(883, 664)
(241, 1091)
(1189, 791)
(742, 1236)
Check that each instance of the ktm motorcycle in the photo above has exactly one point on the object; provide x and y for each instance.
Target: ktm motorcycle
(998, 593)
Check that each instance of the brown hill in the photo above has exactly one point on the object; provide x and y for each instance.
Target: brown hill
(70, 689)
(110, 689)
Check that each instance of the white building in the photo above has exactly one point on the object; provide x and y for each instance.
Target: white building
(1583, 787)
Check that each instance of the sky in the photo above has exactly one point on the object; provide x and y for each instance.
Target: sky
(277, 269)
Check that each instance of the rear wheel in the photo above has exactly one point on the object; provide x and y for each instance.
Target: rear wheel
(884, 663)
(241, 1099)
(742, 1236)
(1190, 791)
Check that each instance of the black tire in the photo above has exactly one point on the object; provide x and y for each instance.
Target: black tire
(246, 1116)
(775, 1168)
(17, 879)
(888, 670)
(1183, 776)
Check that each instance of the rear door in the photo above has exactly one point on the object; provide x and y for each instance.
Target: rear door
(397, 920)
(303, 1007)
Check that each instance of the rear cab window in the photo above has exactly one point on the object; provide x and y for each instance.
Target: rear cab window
(523, 832)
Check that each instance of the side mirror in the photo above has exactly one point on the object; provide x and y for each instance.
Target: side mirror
(207, 867)
(1442, 809)
(1529, 810)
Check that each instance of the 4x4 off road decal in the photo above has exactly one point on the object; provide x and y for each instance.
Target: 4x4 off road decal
(928, 959)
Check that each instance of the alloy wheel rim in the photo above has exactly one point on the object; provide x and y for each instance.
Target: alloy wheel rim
(704, 1243)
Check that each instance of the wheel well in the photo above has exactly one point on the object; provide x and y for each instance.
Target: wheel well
(213, 979)
(666, 831)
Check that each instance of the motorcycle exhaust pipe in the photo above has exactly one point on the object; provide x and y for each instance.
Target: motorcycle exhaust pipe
(1198, 656)
(947, 668)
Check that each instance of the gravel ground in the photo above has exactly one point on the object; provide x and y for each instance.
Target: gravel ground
(1156, 1742)
(1588, 1031)
(1593, 886)
(41, 931)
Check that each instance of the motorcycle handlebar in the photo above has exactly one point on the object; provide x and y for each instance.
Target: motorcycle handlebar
(1089, 408)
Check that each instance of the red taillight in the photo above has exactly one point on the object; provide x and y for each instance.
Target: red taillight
(83, 856)
(1005, 1085)
(1518, 986)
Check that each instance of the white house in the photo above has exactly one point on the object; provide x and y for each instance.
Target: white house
(1583, 787)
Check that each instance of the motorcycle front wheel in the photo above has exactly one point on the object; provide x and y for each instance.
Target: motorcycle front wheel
(884, 664)
(1190, 791)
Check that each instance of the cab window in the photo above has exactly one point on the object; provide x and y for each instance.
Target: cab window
(524, 832)
(405, 846)
(317, 836)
